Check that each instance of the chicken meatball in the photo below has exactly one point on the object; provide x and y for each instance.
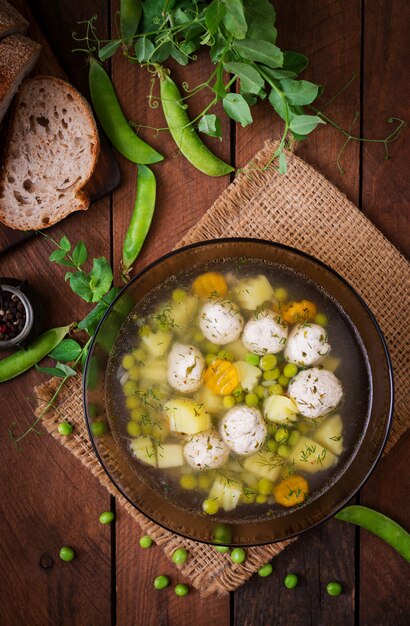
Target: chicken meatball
(220, 322)
(243, 429)
(206, 451)
(185, 367)
(315, 391)
(265, 333)
(307, 345)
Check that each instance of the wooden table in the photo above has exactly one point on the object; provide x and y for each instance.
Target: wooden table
(48, 500)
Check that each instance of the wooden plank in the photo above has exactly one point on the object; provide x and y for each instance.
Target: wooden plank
(386, 184)
(329, 33)
(184, 194)
(47, 498)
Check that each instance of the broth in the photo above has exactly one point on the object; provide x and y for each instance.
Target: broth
(273, 438)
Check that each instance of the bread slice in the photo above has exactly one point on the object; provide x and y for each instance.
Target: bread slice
(18, 55)
(11, 21)
(51, 152)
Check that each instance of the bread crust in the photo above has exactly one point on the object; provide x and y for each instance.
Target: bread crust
(80, 199)
(16, 52)
(11, 21)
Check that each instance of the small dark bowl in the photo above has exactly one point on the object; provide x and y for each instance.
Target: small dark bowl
(296, 520)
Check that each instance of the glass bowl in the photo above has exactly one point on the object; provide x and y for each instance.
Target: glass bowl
(193, 524)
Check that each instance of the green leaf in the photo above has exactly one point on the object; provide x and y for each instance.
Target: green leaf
(130, 15)
(278, 74)
(68, 371)
(67, 350)
(237, 108)
(65, 244)
(162, 51)
(179, 56)
(180, 17)
(251, 80)
(283, 165)
(109, 49)
(143, 49)
(90, 322)
(259, 51)
(59, 370)
(295, 62)
(80, 284)
(80, 254)
(299, 91)
(250, 99)
(100, 278)
(260, 16)
(304, 124)
(210, 125)
(68, 275)
(234, 18)
(214, 15)
(278, 101)
(217, 48)
(57, 256)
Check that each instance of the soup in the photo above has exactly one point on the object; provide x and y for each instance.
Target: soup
(238, 388)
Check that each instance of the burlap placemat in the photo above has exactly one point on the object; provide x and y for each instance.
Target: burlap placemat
(304, 210)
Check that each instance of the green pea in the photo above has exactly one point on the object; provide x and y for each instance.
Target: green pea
(179, 295)
(283, 451)
(145, 330)
(107, 517)
(283, 380)
(210, 358)
(212, 348)
(146, 541)
(281, 434)
(265, 486)
(183, 134)
(66, 553)
(268, 362)
(272, 445)
(130, 388)
(222, 534)
(280, 294)
(210, 507)
(293, 438)
(290, 370)
(99, 428)
(271, 374)
(179, 556)
(161, 582)
(65, 428)
(23, 359)
(252, 359)
(251, 399)
(228, 402)
(133, 428)
(238, 555)
(113, 120)
(291, 581)
(181, 589)
(128, 361)
(276, 390)
(226, 354)
(272, 428)
(321, 319)
(260, 391)
(265, 570)
(222, 549)
(334, 589)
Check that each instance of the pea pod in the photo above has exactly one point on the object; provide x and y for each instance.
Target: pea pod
(130, 15)
(182, 132)
(141, 217)
(21, 361)
(380, 525)
(113, 120)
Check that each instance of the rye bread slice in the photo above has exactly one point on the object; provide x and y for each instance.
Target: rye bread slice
(11, 21)
(18, 55)
(51, 152)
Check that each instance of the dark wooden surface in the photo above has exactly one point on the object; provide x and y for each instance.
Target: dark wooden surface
(48, 500)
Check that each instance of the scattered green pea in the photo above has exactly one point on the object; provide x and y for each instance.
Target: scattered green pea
(260, 391)
(99, 428)
(204, 481)
(271, 374)
(334, 588)
(64, 428)
(181, 589)
(179, 556)
(321, 319)
(283, 380)
(261, 499)
(133, 428)
(265, 486)
(66, 554)
(251, 399)
(209, 358)
(130, 388)
(228, 402)
(276, 390)
(188, 481)
(272, 428)
(179, 295)
(161, 582)
(222, 549)
(280, 294)
(268, 362)
(107, 517)
(226, 354)
(291, 581)
(281, 434)
(293, 438)
(283, 451)
(239, 398)
(265, 570)
(290, 370)
(272, 445)
(222, 534)
(128, 361)
(238, 555)
(252, 359)
(145, 541)
(210, 507)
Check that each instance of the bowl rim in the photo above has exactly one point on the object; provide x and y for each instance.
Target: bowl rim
(296, 251)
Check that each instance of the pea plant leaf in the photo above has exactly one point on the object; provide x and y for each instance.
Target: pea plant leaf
(251, 80)
(80, 284)
(109, 49)
(295, 62)
(259, 51)
(282, 163)
(278, 101)
(80, 253)
(65, 244)
(260, 16)
(60, 370)
(304, 124)
(143, 49)
(299, 91)
(60, 257)
(214, 15)
(100, 278)
(67, 350)
(237, 108)
(210, 124)
(90, 322)
(234, 18)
